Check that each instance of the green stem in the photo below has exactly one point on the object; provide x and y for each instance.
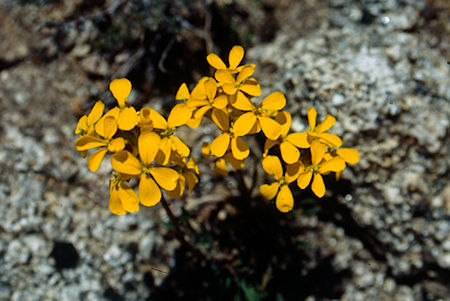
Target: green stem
(179, 233)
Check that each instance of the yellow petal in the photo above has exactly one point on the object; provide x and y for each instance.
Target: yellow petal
(256, 128)
(285, 199)
(289, 152)
(210, 88)
(241, 102)
(96, 158)
(116, 145)
(198, 115)
(235, 56)
(124, 162)
(194, 102)
(330, 139)
(114, 112)
(178, 191)
(128, 119)
(206, 149)
(108, 128)
(179, 146)
(328, 156)
(88, 142)
(165, 149)
(199, 89)
(220, 118)
(183, 92)
(270, 127)
(312, 115)
(82, 125)
(303, 179)
(179, 115)
(317, 186)
(272, 166)
(284, 119)
(165, 177)
(148, 145)
(350, 155)
(220, 102)
(245, 73)
(120, 89)
(194, 123)
(268, 145)
(145, 121)
(299, 140)
(326, 124)
(244, 124)
(191, 179)
(293, 171)
(220, 145)
(274, 102)
(128, 197)
(96, 113)
(269, 191)
(224, 76)
(237, 164)
(83, 153)
(115, 205)
(149, 192)
(251, 87)
(229, 88)
(318, 150)
(221, 167)
(239, 148)
(336, 164)
(159, 122)
(215, 61)
(192, 164)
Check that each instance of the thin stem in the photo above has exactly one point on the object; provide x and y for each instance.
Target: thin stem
(242, 183)
(255, 176)
(179, 234)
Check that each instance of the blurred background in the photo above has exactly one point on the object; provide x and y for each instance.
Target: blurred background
(380, 233)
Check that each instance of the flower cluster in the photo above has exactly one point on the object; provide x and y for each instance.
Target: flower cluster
(143, 144)
(308, 155)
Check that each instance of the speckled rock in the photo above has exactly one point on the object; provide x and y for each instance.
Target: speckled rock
(390, 93)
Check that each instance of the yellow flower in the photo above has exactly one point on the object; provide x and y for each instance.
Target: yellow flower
(105, 131)
(288, 143)
(206, 99)
(279, 188)
(198, 91)
(319, 132)
(349, 155)
(145, 121)
(122, 198)
(234, 59)
(220, 165)
(151, 178)
(258, 116)
(86, 123)
(126, 116)
(179, 115)
(187, 171)
(237, 87)
(319, 167)
(228, 139)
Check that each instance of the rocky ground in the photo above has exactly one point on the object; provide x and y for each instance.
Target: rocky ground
(382, 68)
